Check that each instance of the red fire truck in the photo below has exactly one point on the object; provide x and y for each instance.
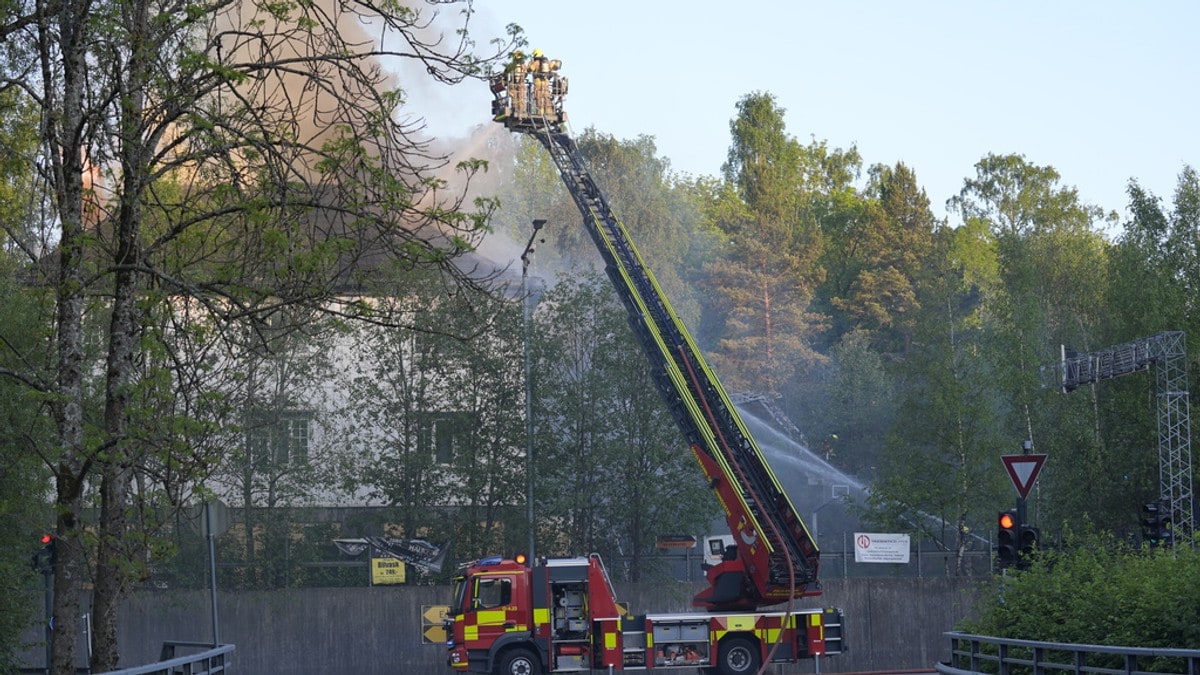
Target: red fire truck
(561, 615)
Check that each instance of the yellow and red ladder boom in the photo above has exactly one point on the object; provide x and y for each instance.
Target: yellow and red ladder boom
(777, 558)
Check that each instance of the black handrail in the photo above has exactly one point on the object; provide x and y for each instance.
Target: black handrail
(982, 654)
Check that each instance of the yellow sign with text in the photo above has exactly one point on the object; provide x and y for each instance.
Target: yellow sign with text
(434, 614)
(432, 629)
(386, 571)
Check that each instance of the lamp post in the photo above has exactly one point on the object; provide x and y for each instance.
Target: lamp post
(526, 260)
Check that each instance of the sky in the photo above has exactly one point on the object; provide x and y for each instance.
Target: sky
(1101, 91)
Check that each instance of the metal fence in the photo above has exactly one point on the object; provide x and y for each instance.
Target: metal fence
(926, 560)
(974, 654)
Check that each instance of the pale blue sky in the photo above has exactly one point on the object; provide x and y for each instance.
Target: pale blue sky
(1102, 91)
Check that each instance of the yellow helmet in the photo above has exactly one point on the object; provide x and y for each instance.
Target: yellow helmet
(537, 53)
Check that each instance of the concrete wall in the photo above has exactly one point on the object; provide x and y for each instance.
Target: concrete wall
(891, 623)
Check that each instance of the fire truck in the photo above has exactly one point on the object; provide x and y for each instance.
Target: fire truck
(518, 617)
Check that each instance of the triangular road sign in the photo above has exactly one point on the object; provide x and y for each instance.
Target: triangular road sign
(1023, 470)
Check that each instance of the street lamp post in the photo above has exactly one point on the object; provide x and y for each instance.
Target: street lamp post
(526, 260)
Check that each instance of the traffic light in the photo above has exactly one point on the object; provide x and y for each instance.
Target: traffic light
(1156, 524)
(1029, 543)
(43, 561)
(1006, 539)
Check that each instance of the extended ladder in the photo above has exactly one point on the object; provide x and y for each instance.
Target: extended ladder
(777, 557)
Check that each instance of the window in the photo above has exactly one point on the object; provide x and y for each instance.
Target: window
(296, 445)
(445, 435)
(278, 440)
(492, 592)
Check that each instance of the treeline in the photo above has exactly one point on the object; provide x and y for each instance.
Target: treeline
(911, 351)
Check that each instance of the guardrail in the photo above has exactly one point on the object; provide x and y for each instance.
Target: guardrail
(209, 662)
(981, 654)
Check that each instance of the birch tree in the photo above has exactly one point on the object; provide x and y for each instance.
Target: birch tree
(244, 155)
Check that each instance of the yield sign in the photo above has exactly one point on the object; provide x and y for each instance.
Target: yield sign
(1023, 470)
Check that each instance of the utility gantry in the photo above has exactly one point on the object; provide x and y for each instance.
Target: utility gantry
(1167, 353)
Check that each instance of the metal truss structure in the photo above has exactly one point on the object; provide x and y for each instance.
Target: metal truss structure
(1167, 353)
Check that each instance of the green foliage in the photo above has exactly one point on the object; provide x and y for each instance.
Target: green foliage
(1098, 590)
(658, 209)
(938, 471)
(613, 472)
(23, 476)
(233, 184)
(484, 385)
(18, 143)
(769, 217)
(434, 409)
(854, 404)
(662, 212)
(24, 334)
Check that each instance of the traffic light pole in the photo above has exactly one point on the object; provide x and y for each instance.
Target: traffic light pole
(526, 314)
(1016, 538)
(1022, 518)
(48, 576)
(44, 560)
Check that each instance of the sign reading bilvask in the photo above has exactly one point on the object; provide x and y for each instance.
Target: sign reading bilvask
(387, 571)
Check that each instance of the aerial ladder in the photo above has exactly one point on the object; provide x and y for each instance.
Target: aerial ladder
(775, 558)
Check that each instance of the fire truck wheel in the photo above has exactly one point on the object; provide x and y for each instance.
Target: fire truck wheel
(737, 656)
(517, 662)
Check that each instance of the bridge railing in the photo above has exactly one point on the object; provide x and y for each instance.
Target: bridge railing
(975, 654)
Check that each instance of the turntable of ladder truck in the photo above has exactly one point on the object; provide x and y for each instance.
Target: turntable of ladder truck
(518, 617)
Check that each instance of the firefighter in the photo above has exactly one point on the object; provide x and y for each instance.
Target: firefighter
(514, 81)
(542, 69)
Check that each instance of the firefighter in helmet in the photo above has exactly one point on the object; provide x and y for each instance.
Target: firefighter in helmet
(542, 70)
(514, 82)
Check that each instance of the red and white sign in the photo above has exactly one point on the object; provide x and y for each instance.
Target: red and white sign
(873, 547)
(1023, 470)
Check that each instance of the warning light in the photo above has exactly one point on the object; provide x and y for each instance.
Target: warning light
(46, 557)
(520, 558)
(1156, 524)
(1029, 541)
(1006, 539)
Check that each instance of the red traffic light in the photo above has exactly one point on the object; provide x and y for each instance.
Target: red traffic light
(43, 559)
(1006, 539)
